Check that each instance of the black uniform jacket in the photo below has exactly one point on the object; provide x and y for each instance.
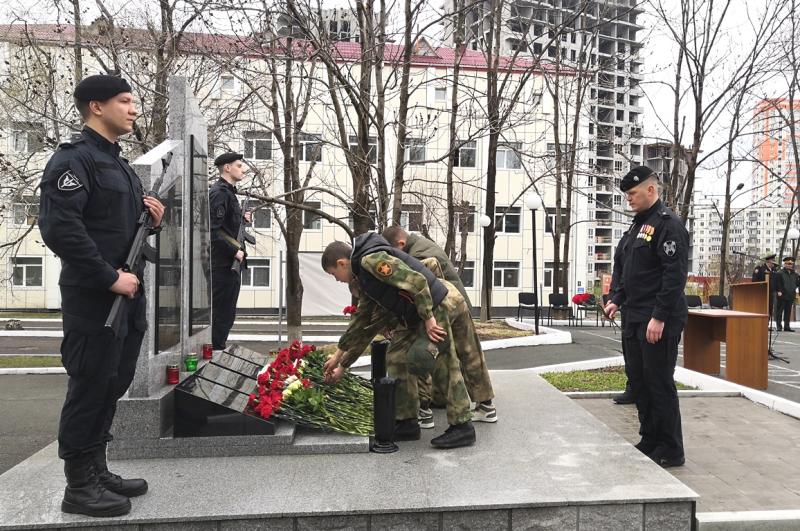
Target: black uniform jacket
(650, 268)
(91, 200)
(226, 216)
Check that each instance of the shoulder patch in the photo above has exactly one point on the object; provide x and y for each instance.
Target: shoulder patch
(67, 182)
(221, 212)
(670, 247)
(384, 269)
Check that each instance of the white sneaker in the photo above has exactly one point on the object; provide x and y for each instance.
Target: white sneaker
(484, 413)
(425, 417)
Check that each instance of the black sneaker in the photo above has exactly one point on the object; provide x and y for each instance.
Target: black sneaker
(645, 446)
(456, 436)
(664, 459)
(406, 430)
(788, 330)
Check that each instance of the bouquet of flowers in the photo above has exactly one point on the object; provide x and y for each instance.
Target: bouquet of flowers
(583, 299)
(293, 388)
(349, 310)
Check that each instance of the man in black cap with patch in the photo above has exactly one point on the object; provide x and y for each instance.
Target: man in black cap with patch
(786, 285)
(91, 200)
(766, 273)
(226, 216)
(651, 271)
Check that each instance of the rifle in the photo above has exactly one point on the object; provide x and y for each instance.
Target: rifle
(242, 237)
(139, 249)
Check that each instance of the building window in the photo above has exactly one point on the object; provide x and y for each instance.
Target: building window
(415, 150)
(468, 274)
(257, 145)
(550, 221)
(373, 217)
(312, 221)
(507, 219)
(440, 95)
(27, 271)
(465, 218)
(411, 217)
(548, 275)
(508, 156)
(506, 275)
(309, 148)
(617, 165)
(465, 156)
(27, 137)
(25, 212)
(261, 218)
(257, 273)
(372, 147)
(228, 84)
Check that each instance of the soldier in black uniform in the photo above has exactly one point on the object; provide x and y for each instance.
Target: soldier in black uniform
(90, 203)
(766, 272)
(652, 276)
(226, 216)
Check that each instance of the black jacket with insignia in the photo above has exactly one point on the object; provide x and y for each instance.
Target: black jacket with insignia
(226, 216)
(650, 268)
(91, 200)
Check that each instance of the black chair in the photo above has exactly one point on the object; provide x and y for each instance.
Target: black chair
(558, 303)
(694, 301)
(526, 301)
(718, 301)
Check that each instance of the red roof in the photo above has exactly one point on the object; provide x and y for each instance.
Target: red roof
(136, 38)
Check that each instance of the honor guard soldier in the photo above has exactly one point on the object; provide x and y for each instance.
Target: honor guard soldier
(91, 200)
(651, 270)
(786, 286)
(226, 218)
(766, 273)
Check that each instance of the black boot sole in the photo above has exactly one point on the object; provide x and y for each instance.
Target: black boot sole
(73, 508)
(454, 444)
(622, 400)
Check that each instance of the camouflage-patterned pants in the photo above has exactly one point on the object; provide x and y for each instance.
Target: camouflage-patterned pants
(456, 396)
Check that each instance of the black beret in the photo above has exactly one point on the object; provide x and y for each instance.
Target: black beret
(635, 177)
(227, 158)
(788, 259)
(100, 88)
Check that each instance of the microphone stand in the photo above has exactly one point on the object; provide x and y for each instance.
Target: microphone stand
(771, 354)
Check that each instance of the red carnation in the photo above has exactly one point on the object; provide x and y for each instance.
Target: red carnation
(306, 382)
(349, 310)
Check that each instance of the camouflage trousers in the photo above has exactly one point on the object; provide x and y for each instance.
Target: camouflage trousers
(433, 389)
(456, 397)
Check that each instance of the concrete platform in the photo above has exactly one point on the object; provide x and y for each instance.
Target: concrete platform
(547, 464)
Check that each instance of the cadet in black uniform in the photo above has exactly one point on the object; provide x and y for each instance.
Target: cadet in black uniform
(767, 272)
(652, 269)
(90, 202)
(226, 216)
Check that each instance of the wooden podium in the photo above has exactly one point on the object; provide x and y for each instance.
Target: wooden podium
(744, 331)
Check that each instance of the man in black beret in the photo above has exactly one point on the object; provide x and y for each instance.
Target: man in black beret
(226, 216)
(648, 279)
(786, 285)
(766, 273)
(91, 201)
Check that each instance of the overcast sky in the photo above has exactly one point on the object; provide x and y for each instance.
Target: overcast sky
(659, 54)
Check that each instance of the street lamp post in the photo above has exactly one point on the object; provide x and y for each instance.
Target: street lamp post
(533, 202)
(793, 234)
(484, 221)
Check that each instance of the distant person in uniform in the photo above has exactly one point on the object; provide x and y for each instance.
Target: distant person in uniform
(91, 201)
(473, 362)
(652, 267)
(766, 273)
(786, 285)
(226, 216)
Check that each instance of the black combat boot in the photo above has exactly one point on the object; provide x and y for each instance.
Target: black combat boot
(113, 482)
(407, 430)
(456, 436)
(626, 397)
(85, 495)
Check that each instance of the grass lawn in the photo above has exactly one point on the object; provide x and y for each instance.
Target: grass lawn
(16, 362)
(29, 315)
(605, 379)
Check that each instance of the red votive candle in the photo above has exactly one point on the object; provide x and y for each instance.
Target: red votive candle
(173, 374)
(207, 351)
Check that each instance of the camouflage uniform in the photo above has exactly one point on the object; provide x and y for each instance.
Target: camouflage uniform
(470, 355)
(370, 319)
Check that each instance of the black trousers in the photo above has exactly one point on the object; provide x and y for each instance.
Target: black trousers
(100, 369)
(224, 295)
(783, 311)
(650, 369)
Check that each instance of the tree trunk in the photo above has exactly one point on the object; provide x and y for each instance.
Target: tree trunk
(402, 117)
